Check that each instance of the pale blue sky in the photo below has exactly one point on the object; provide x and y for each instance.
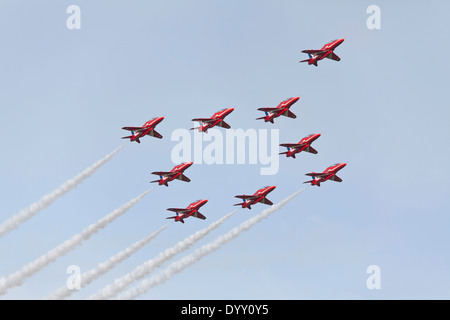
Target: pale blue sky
(65, 94)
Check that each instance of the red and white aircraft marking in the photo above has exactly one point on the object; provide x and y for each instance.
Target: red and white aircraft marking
(302, 145)
(215, 120)
(325, 52)
(328, 174)
(175, 173)
(147, 129)
(281, 110)
(258, 196)
(191, 210)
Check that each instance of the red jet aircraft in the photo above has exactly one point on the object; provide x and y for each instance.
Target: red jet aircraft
(215, 120)
(175, 173)
(328, 174)
(191, 210)
(325, 52)
(303, 145)
(147, 129)
(281, 110)
(258, 196)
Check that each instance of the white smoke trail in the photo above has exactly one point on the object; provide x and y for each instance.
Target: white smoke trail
(49, 198)
(16, 278)
(148, 266)
(103, 267)
(182, 263)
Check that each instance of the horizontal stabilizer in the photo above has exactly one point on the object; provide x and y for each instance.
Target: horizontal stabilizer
(174, 217)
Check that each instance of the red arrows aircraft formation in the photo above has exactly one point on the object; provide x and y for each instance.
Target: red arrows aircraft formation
(258, 196)
(217, 119)
(327, 51)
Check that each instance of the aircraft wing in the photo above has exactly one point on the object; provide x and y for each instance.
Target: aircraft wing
(313, 51)
(178, 210)
(269, 109)
(245, 197)
(182, 177)
(289, 113)
(135, 129)
(336, 178)
(204, 120)
(292, 145)
(310, 150)
(223, 124)
(333, 56)
(320, 175)
(155, 134)
(266, 201)
(199, 215)
(164, 173)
